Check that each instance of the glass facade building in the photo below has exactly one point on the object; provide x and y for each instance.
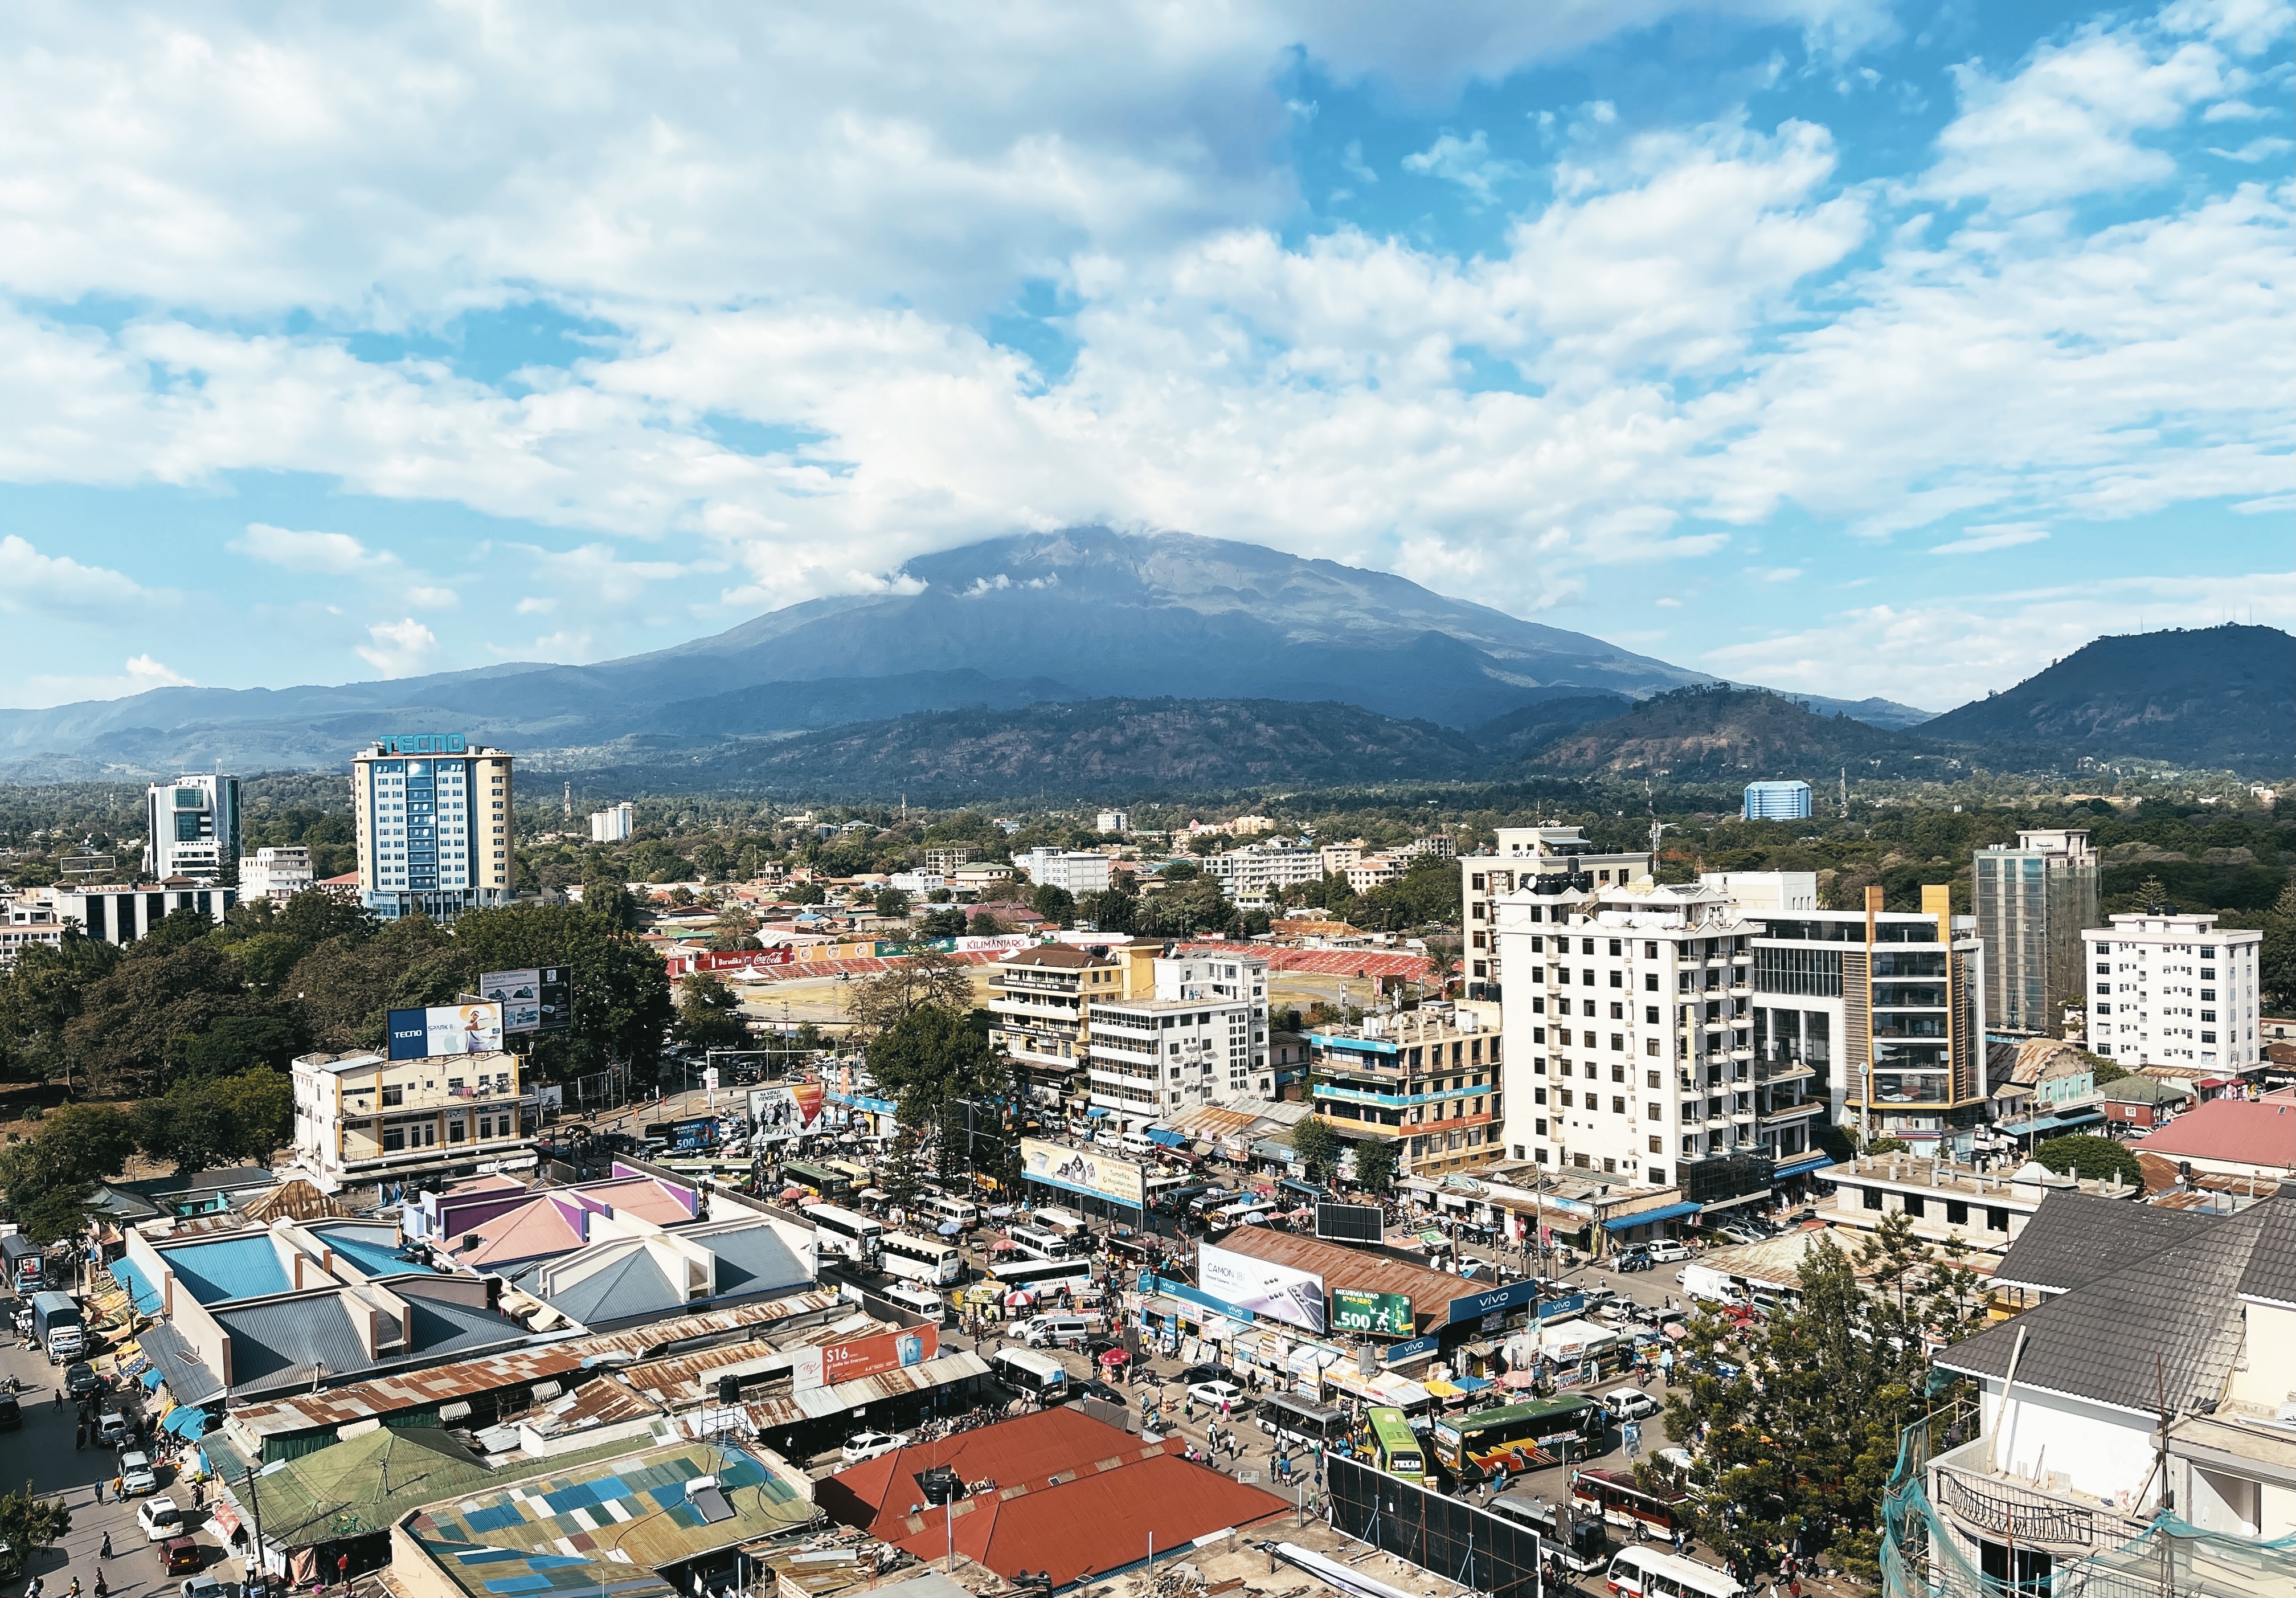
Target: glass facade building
(2032, 903)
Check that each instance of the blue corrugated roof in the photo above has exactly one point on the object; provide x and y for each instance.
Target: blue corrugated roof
(1645, 1217)
(142, 1293)
(373, 1249)
(232, 1268)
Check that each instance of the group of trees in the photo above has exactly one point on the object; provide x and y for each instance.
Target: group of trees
(1321, 1151)
(929, 1049)
(1798, 1440)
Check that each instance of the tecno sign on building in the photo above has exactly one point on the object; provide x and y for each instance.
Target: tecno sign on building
(424, 743)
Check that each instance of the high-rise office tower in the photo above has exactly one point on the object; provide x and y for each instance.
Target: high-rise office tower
(191, 828)
(433, 814)
(2032, 903)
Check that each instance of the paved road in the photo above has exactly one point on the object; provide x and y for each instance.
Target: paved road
(42, 1454)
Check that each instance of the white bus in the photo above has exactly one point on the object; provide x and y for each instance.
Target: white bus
(1039, 1375)
(932, 1260)
(1232, 1214)
(1038, 1244)
(1644, 1572)
(1052, 1217)
(855, 1236)
(944, 1210)
(1043, 1275)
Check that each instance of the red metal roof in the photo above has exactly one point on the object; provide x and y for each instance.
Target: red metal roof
(1073, 1497)
(2259, 1132)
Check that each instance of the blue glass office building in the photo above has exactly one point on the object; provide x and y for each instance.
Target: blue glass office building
(1777, 802)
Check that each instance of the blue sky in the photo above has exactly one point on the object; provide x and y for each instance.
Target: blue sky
(1846, 346)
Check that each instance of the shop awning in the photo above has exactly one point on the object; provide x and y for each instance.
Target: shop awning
(187, 1421)
(1801, 1165)
(140, 1292)
(1752, 1198)
(152, 1378)
(1170, 1140)
(1643, 1217)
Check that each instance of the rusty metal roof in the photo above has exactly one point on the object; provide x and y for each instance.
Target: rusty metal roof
(1430, 1291)
(416, 1389)
(672, 1380)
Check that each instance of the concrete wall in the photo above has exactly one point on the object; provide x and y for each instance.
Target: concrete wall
(2106, 1452)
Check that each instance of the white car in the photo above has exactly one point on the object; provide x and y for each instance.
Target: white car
(869, 1445)
(1213, 1394)
(136, 1476)
(110, 1426)
(205, 1586)
(1667, 1251)
(1629, 1403)
(161, 1518)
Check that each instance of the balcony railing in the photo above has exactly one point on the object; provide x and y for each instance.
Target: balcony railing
(2007, 1512)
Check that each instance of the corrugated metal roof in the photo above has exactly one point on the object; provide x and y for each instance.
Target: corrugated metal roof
(1339, 1266)
(877, 1495)
(823, 1401)
(677, 1380)
(417, 1389)
(291, 1341)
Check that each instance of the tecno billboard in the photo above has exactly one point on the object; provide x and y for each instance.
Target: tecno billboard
(445, 1030)
(1276, 1292)
(1082, 1171)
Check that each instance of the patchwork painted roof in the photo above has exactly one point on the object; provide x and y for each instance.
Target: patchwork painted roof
(609, 1526)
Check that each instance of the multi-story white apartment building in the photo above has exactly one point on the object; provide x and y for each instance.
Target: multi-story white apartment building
(1199, 1038)
(1261, 870)
(363, 1116)
(1078, 871)
(1653, 1027)
(191, 827)
(1040, 1004)
(275, 873)
(2033, 903)
(1375, 870)
(27, 922)
(1525, 856)
(1112, 821)
(1337, 856)
(2171, 988)
(614, 824)
(942, 859)
(432, 814)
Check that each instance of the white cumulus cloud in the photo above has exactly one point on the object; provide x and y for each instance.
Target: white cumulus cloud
(399, 649)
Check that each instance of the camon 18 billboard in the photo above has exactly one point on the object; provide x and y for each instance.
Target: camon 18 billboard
(1276, 1292)
(445, 1030)
(1080, 1171)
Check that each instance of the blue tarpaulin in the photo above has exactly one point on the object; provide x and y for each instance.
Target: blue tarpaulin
(1170, 1140)
(1801, 1165)
(187, 1421)
(151, 1380)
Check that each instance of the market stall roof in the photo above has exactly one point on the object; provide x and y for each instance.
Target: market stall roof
(1430, 1291)
(360, 1487)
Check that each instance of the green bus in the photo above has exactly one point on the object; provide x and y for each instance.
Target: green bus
(1519, 1437)
(817, 1178)
(1395, 1447)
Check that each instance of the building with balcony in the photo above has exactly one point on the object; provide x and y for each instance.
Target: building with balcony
(364, 1117)
(1198, 1035)
(2033, 903)
(2130, 1434)
(2170, 988)
(1040, 1001)
(1077, 871)
(432, 813)
(28, 923)
(1560, 857)
(1425, 1080)
(1258, 871)
(275, 873)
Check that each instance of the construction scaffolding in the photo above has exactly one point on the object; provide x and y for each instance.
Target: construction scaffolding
(1922, 1558)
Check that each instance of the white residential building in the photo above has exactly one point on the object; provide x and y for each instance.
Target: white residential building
(275, 873)
(1560, 856)
(1078, 871)
(1375, 870)
(433, 818)
(1113, 821)
(190, 827)
(1258, 871)
(1766, 892)
(1202, 1039)
(29, 923)
(2169, 988)
(613, 825)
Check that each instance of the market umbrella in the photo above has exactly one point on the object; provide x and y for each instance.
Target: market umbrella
(1518, 1379)
(1115, 1356)
(1003, 1245)
(948, 1229)
(999, 1211)
(1020, 1298)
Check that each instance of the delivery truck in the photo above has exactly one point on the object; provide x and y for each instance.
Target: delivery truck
(56, 1327)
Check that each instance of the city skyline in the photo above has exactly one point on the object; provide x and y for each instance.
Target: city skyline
(1845, 347)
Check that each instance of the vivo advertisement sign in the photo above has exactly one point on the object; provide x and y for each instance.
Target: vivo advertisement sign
(1479, 1305)
(445, 1030)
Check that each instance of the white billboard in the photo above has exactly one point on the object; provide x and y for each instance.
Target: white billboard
(1276, 1292)
(1082, 1171)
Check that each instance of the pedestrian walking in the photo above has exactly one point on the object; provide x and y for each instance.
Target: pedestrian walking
(60, 1398)
(105, 1552)
(99, 1489)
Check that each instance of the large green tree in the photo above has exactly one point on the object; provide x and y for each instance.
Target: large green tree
(39, 996)
(1318, 1146)
(938, 1063)
(620, 987)
(709, 1014)
(49, 1179)
(2094, 1158)
(199, 1125)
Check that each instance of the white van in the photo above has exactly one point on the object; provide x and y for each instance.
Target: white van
(924, 1301)
(1060, 1331)
(1137, 1143)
